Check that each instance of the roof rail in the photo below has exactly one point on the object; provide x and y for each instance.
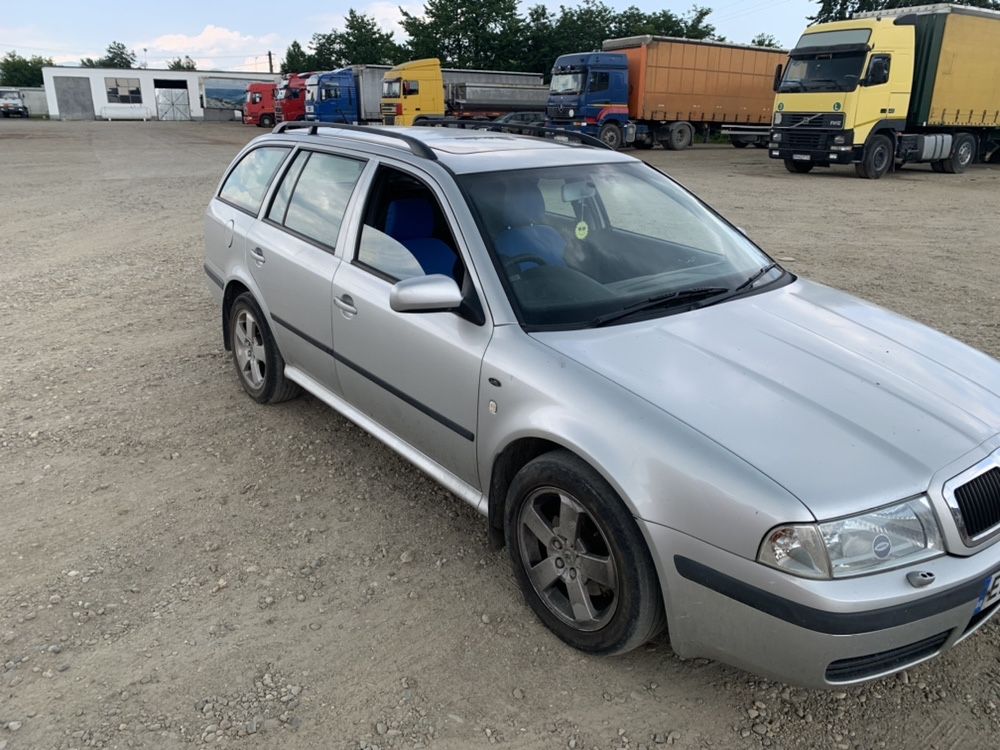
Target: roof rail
(417, 146)
(514, 129)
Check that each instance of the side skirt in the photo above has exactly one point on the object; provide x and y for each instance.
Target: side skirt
(430, 467)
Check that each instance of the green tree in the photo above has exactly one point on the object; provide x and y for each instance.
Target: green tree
(765, 40)
(22, 71)
(178, 63)
(117, 55)
(466, 33)
(838, 10)
(297, 60)
(361, 42)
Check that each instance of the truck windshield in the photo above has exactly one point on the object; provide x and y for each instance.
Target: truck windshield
(391, 89)
(587, 245)
(566, 83)
(838, 71)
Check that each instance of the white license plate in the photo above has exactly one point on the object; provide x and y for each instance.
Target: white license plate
(801, 157)
(990, 593)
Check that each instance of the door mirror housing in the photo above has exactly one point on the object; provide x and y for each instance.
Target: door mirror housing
(434, 293)
(779, 69)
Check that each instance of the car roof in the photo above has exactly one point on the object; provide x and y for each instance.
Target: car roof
(461, 151)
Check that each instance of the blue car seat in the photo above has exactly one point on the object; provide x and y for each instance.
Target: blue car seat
(410, 221)
(525, 235)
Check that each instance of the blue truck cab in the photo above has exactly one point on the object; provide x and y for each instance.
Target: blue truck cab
(332, 97)
(589, 93)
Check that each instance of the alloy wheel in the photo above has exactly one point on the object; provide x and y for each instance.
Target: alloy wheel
(248, 343)
(568, 559)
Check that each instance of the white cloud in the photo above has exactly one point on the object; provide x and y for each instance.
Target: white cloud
(215, 47)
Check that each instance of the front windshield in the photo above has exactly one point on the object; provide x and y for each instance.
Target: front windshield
(566, 83)
(837, 71)
(391, 89)
(576, 244)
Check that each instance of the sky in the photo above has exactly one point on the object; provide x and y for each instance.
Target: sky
(237, 34)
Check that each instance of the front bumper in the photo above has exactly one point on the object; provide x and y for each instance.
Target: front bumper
(814, 633)
(814, 145)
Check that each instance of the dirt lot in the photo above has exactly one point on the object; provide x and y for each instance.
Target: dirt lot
(180, 565)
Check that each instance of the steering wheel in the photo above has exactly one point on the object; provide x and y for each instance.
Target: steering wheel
(513, 262)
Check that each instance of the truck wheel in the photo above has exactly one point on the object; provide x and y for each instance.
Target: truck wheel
(679, 136)
(962, 155)
(937, 166)
(739, 141)
(877, 159)
(266, 121)
(611, 134)
(799, 167)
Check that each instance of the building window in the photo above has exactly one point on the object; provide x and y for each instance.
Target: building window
(123, 90)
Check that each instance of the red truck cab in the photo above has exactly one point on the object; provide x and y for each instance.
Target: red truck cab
(290, 103)
(258, 108)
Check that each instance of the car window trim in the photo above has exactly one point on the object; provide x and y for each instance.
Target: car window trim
(267, 190)
(318, 244)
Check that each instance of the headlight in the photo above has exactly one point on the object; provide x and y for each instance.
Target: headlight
(839, 140)
(776, 137)
(777, 118)
(571, 112)
(888, 537)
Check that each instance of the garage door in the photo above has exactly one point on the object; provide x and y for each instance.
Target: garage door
(74, 98)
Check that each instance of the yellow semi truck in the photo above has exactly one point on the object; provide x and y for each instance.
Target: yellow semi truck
(423, 90)
(918, 84)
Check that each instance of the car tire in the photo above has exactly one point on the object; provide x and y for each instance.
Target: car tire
(799, 167)
(259, 365)
(611, 135)
(680, 135)
(962, 154)
(593, 582)
(877, 159)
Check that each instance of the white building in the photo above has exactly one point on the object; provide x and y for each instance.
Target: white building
(145, 94)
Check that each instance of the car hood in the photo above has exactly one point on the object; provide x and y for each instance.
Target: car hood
(843, 403)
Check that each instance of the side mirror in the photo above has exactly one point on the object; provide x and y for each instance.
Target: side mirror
(435, 293)
(777, 77)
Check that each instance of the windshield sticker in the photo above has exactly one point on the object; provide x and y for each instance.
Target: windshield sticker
(582, 230)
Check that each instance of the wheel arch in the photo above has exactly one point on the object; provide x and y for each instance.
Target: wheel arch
(234, 287)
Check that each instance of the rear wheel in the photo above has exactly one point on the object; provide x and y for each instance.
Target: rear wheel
(877, 158)
(679, 136)
(258, 362)
(962, 154)
(611, 134)
(580, 560)
(798, 167)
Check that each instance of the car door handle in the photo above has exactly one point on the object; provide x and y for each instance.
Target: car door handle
(258, 255)
(346, 303)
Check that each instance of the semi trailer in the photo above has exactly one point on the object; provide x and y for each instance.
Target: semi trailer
(350, 95)
(258, 107)
(887, 88)
(644, 90)
(423, 90)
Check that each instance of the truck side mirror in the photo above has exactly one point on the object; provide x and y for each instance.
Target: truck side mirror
(777, 77)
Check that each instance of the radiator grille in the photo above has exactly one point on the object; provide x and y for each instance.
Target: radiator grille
(979, 502)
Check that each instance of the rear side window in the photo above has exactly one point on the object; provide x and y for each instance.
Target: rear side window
(247, 183)
(323, 186)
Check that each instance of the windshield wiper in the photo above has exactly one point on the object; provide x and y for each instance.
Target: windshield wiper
(683, 295)
(749, 282)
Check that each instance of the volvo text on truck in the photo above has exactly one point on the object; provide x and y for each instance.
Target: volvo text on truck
(423, 90)
(350, 95)
(646, 90)
(258, 108)
(290, 99)
(919, 84)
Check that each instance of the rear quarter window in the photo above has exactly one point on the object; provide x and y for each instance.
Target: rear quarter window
(247, 184)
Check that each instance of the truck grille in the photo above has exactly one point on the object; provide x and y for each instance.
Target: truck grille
(860, 667)
(979, 502)
(804, 120)
(558, 112)
(804, 140)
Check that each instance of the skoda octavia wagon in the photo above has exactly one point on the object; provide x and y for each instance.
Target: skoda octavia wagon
(665, 427)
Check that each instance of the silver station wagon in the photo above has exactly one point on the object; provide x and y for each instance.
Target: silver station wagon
(665, 427)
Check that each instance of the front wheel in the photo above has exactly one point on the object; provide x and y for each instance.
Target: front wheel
(799, 167)
(258, 362)
(266, 121)
(579, 558)
(877, 158)
(611, 134)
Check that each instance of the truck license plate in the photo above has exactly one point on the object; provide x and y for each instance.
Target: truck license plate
(990, 592)
(801, 157)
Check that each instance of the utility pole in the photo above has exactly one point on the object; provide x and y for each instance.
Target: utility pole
(270, 62)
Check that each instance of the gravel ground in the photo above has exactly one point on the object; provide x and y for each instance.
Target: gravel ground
(181, 566)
